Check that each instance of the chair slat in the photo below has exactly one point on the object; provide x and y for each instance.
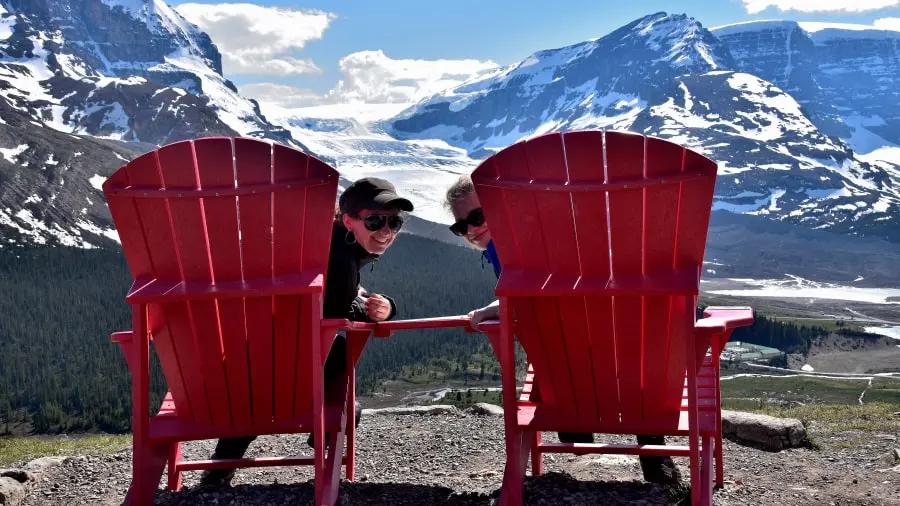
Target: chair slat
(253, 165)
(215, 168)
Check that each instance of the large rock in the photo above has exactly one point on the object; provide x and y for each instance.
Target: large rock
(11, 491)
(762, 431)
(436, 409)
(16, 483)
(484, 408)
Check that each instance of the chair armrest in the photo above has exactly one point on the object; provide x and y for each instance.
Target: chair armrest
(121, 337)
(718, 320)
(488, 326)
(386, 329)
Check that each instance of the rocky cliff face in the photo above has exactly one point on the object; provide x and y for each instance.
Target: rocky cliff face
(132, 70)
(846, 76)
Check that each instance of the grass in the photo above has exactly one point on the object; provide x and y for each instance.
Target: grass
(807, 390)
(21, 449)
(874, 416)
(468, 400)
(829, 324)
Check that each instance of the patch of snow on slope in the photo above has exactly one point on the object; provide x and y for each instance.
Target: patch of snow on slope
(775, 110)
(797, 287)
(747, 26)
(135, 8)
(11, 154)
(97, 181)
(6, 24)
(234, 110)
(892, 332)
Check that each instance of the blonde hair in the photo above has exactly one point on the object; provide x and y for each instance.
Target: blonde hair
(462, 187)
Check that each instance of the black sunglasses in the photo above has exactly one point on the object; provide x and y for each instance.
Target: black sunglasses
(475, 219)
(375, 222)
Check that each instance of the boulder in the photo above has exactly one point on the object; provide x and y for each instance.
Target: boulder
(436, 409)
(763, 431)
(16, 483)
(484, 408)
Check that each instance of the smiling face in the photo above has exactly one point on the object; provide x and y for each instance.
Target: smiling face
(374, 242)
(478, 236)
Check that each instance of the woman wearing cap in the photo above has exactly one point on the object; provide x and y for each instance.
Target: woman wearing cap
(368, 217)
(471, 225)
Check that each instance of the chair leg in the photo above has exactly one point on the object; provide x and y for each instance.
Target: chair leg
(514, 474)
(350, 469)
(720, 463)
(148, 464)
(331, 478)
(706, 482)
(172, 463)
(537, 459)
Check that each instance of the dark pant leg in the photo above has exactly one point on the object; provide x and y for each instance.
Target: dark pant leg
(334, 371)
(335, 364)
(575, 437)
(232, 448)
(658, 469)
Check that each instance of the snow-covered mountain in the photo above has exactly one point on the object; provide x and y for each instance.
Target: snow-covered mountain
(787, 150)
(846, 77)
(88, 84)
(131, 70)
(668, 76)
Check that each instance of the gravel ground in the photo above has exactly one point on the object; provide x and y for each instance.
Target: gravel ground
(457, 459)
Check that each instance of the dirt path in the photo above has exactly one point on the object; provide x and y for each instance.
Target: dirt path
(457, 459)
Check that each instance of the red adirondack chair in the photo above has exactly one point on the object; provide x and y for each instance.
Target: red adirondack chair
(601, 237)
(227, 241)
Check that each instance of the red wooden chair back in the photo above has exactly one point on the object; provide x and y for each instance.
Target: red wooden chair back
(601, 237)
(203, 223)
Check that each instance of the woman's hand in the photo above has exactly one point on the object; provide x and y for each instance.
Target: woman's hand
(377, 307)
(490, 312)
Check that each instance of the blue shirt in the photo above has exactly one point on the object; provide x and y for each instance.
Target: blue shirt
(490, 254)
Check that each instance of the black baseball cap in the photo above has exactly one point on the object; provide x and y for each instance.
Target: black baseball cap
(372, 193)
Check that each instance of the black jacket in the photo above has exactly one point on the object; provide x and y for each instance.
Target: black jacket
(342, 281)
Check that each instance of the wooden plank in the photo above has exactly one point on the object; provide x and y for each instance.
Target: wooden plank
(288, 233)
(625, 160)
(663, 160)
(253, 164)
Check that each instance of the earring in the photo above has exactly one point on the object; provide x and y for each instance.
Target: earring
(349, 238)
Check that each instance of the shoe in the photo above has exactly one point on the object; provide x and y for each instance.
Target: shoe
(658, 469)
(216, 478)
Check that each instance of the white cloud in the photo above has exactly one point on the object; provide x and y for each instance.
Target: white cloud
(887, 24)
(373, 77)
(757, 6)
(280, 94)
(258, 40)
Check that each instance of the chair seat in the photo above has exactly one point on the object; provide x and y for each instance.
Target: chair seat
(535, 416)
(167, 426)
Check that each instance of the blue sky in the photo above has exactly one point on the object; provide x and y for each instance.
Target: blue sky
(291, 53)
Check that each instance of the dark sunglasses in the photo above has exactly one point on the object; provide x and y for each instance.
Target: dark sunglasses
(375, 222)
(475, 219)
